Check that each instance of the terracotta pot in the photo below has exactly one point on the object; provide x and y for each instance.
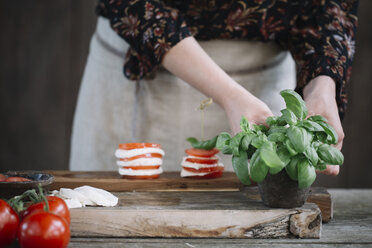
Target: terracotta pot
(279, 191)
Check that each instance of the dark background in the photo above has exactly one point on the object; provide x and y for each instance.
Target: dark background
(43, 49)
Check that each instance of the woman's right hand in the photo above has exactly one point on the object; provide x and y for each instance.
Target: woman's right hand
(243, 103)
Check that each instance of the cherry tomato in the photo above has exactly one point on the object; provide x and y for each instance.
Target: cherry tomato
(17, 179)
(2, 177)
(209, 175)
(142, 167)
(142, 177)
(201, 152)
(130, 146)
(57, 206)
(202, 161)
(42, 230)
(147, 155)
(203, 170)
(9, 223)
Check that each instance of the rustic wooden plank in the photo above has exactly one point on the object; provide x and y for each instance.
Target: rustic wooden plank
(168, 181)
(323, 199)
(195, 214)
(351, 227)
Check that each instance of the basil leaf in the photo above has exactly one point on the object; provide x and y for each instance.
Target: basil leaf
(311, 126)
(258, 169)
(240, 165)
(330, 131)
(276, 137)
(306, 174)
(235, 143)
(258, 141)
(272, 120)
(246, 141)
(312, 155)
(206, 145)
(290, 147)
(322, 137)
(317, 118)
(321, 166)
(288, 116)
(244, 125)
(330, 154)
(284, 156)
(291, 168)
(299, 137)
(260, 127)
(294, 103)
(223, 143)
(277, 129)
(269, 156)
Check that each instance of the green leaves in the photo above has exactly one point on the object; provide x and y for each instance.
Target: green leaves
(299, 137)
(206, 145)
(330, 154)
(240, 165)
(290, 142)
(258, 169)
(294, 103)
(306, 174)
(270, 157)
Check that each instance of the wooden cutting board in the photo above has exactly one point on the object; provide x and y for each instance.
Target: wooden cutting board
(238, 214)
(171, 206)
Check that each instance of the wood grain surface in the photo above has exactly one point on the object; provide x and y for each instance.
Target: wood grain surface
(238, 214)
(351, 228)
(168, 181)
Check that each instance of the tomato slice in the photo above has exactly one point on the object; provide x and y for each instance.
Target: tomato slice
(142, 167)
(202, 161)
(17, 179)
(209, 175)
(130, 146)
(203, 170)
(141, 177)
(2, 177)
(201, 152)
(147, 155)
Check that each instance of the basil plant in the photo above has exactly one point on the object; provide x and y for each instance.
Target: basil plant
(289, 142)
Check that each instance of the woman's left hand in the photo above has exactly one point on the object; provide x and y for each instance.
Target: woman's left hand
(320, 98)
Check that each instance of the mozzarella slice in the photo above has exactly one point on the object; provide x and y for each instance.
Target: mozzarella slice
(73, 194)
(140, 161)
(130, 172)
(73, 203)
(98, 196)
(120, 153)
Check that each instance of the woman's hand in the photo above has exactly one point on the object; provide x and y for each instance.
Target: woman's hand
(242, 103)
(320, 98)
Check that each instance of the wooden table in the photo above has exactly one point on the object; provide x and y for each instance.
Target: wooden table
(351, 227)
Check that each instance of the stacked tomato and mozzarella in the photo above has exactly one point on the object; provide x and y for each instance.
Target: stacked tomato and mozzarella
(201, 163)
(140, 160)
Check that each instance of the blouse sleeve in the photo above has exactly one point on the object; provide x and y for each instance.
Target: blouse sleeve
(323, 44)
(149, 27)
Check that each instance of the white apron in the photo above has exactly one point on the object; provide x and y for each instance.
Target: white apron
(112, 109)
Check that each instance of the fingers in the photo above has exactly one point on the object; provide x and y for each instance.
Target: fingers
(332, 170)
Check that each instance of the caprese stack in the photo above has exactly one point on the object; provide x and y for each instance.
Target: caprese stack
(140, 160)
(200, 163)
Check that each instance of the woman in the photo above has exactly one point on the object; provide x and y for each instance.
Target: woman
(151, 104)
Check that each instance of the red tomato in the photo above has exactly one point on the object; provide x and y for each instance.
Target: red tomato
(142, 167)
(209, 175)
(130, 146)
(147, 155)
(2, 177)
(17, 179)
(201, 152)
(57, 206)
(43, 230)
(202, 161)
(9, 223)
(203, 170)
(141, 177)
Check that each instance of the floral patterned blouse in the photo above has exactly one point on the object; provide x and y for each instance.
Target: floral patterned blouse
(318, 33)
